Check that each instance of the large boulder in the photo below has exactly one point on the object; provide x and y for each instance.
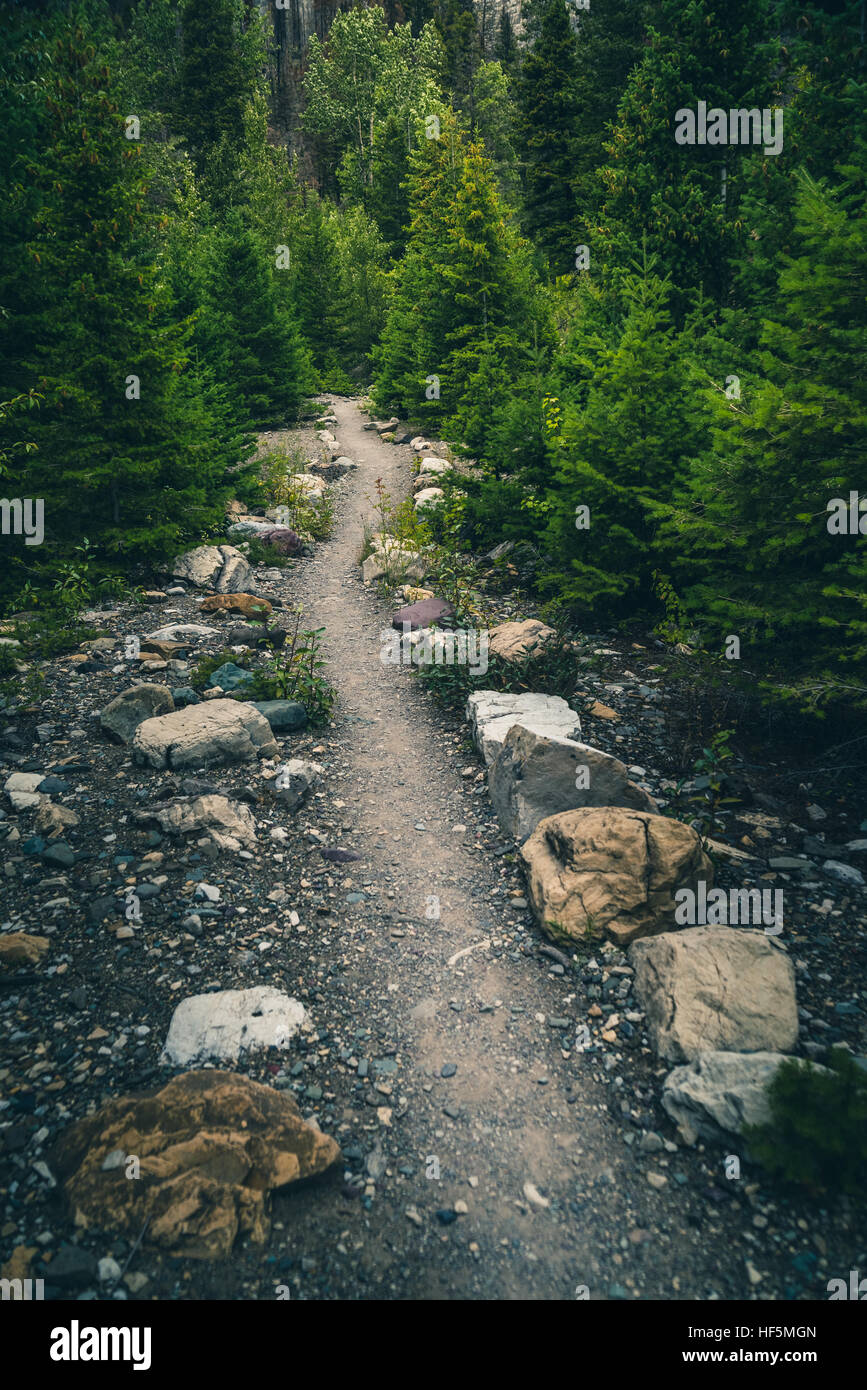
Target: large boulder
(219, 567)
(435, 467)
(230, 825)
(220, 1027)
(715, 989)
(122, 715)
(611, 870)
(719, 1094)
(492, 713)
(536, 776)
(283, 540)
(216, 731)
(210, 1147)
(516, 642)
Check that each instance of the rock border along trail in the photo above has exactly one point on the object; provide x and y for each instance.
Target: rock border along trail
(522, 1134)
(484, 1155)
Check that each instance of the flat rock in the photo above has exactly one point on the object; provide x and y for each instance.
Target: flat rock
(230, 825)
(122, 715)
(715, 989)
(21, 948)
(220, 1027)
(177, 631)
(20, 787)
(211, 1147)
(716, 1096)
(610, 870)
(535, 776)
(422, 614)
(492, 713)
(216, 731)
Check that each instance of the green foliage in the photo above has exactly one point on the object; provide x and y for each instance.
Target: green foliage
(296, 672)
(547, 125)
(817, 1134)
(207, 665)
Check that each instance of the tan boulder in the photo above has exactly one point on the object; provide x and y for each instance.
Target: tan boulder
(247, 604)
(517, 641)
(715, 989)
(20, 948)
(210, 1146)
(610, 870)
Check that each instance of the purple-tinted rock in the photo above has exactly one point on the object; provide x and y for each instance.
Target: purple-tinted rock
(283, 540)
(422, 614)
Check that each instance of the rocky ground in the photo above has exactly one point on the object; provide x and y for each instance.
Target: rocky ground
(483, 1154)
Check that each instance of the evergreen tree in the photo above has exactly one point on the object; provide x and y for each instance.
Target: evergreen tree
(218, 76)
(250, 335)
(684, 198)
(133, 442)
(546, 129)
(619, 439)
(750, 541)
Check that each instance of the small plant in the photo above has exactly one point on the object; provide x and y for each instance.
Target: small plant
(205, 668)
(709, 771)
(258, 553)
(295, 673)
(817, 1134)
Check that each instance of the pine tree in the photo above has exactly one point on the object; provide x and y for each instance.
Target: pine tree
(218, 75)
(610, 43)
(750, 539)
(545, 137)
(684, 198)
(620, 437)
(251, 337)
(133, 441)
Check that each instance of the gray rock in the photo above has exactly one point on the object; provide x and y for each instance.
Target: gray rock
(492, 713)
(216, 731)
(536, 775)
(178, 632)
(222, 568)
(720, 1093)
(229, 824)
(843, 873)
(219, 1027)
(715, 989)
(122, 715)
(284, 716)
(294, 781)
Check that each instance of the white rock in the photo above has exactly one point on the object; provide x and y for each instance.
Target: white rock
(492, 713)
(222, 568)
(229, 824)
(219, 1027)
(435, 466)
(428, 497)
(20, 787)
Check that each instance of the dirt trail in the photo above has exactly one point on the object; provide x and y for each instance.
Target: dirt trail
(511, 1120)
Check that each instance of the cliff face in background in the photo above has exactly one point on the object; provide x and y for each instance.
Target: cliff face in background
(293, 26)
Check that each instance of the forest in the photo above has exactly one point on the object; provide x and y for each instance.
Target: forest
(652, 349)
